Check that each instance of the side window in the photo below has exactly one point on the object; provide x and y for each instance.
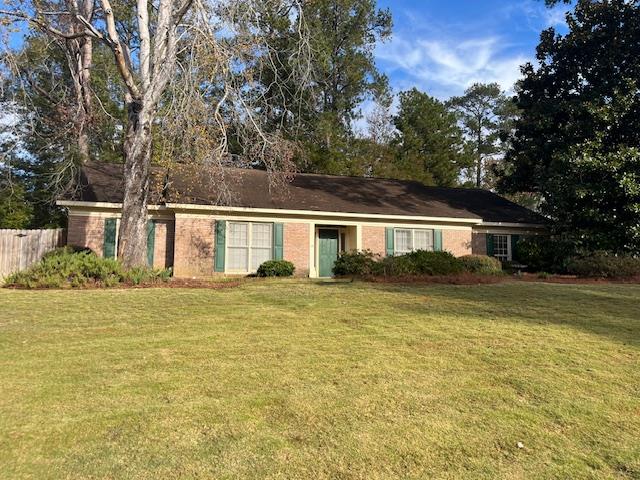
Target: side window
(502, 247)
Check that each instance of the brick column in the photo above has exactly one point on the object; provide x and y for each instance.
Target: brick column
(86, 232)
(373, 239)
(457, 242)
(296, 246)
(193, 247)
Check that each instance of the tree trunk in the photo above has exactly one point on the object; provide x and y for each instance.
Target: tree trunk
(132, 245)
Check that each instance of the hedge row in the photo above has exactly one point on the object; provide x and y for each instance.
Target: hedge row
(68, 267)
(419, 263)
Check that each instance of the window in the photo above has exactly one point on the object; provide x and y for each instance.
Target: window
(411, 239)
(502, 247)
(248, 245)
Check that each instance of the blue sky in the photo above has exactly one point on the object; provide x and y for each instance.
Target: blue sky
(442, 47)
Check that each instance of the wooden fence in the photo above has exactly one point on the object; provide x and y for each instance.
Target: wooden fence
(21, 248)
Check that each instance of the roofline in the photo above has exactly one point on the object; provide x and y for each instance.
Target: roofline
(512, 224)
(220, 208)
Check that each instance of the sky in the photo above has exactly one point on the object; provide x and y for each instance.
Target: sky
(443, 46)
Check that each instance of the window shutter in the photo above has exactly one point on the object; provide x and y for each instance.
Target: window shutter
(221, 230)
(437, 240)
(109, 246)
(278, 241)
(514, 242)
(490, 244)
(151, 241)
(389, 242)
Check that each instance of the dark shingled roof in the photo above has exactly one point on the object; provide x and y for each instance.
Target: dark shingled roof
(250, 188)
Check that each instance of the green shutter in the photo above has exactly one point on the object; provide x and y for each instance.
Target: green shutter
(389, 242)
(437, 240)
(514, 242)
(109, 247)
(151, 241)
(221, 232)
(278, 241)
(490, 244)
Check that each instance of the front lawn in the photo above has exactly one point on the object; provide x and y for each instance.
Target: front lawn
(295, 379)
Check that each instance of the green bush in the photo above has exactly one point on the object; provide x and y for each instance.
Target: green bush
(421, 262)
(70, 267)
(481, 264)
(604, 265)
(545, 253)
(356, 263)
(276, 268)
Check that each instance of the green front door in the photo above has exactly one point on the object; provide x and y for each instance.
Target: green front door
(327, 251)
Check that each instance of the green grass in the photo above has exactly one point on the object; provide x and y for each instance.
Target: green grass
(294, 379)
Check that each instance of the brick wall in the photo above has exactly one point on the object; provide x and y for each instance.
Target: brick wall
(479, 244)
(457, 242)
(86, 232)
(193, 247)
(163, 246)
(373, 238)
(296, 246)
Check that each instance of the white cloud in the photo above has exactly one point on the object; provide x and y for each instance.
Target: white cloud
(555, 17)
(446, 67)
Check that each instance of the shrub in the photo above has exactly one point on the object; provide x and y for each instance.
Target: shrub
(481, 264)
(545, 253)
(604, 264)
(78, 268)
(276, 268)
(356, 263)
(421, 262)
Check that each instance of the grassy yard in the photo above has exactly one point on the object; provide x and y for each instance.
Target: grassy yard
(293, 379)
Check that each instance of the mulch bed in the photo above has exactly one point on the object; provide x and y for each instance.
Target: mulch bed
(172, 283)
(463, 279)
(573, 280)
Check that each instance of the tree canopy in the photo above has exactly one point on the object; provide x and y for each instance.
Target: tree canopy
(576, 142)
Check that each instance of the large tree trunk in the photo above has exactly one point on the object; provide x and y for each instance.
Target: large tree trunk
(80, 56)
(132, 245)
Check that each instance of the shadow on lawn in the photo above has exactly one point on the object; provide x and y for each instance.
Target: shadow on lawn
(613, 310)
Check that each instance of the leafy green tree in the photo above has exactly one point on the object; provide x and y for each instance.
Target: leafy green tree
(484, 111)
(576, 141)
(429, 144)
(343, 36)
(15, 210)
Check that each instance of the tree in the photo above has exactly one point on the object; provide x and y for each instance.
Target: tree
(151, 54)
(484, 111)
(343, 35)
(576, 141)
(429, 143)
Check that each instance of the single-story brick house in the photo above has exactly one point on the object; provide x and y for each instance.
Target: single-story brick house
(308, 222)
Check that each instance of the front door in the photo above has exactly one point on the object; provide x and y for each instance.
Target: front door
(327, 250)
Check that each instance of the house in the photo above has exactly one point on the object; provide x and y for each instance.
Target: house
(228, 221)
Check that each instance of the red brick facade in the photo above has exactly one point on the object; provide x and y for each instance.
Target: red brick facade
(296, 246)
(188, 243)
(373, 239)
(193, 247)
(163, 244)
(457, 242)
(479, 243)
(86, 232)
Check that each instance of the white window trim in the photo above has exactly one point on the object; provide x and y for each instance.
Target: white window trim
(248, 248)
(509, 252)
(413, 243)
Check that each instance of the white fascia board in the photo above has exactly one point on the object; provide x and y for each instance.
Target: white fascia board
(316, 213)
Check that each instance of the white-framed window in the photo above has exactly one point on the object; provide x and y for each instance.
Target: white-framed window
(410, 239)
(248, 246)
(502, 247)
